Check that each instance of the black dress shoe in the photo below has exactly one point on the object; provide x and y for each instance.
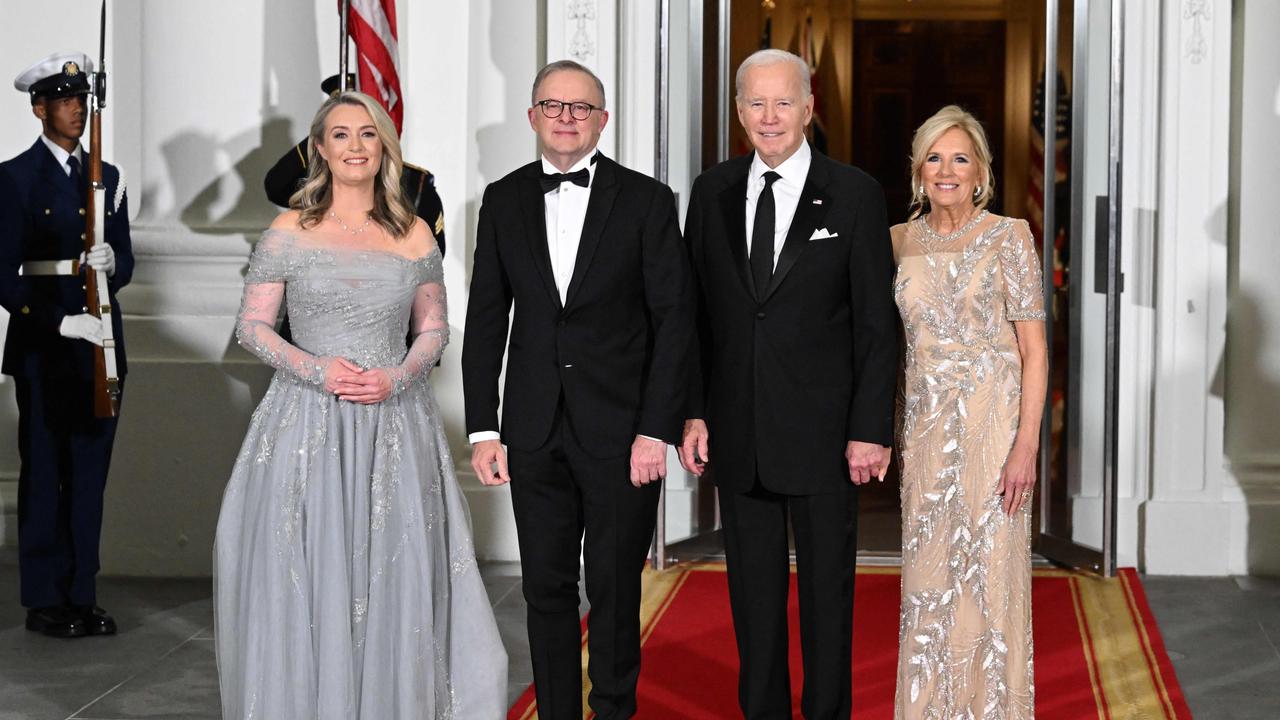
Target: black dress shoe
(59, 622)
(96, 620)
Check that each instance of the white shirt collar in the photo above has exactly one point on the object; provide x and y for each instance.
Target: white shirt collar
(585, 162)
(61, 155)
(793, 170)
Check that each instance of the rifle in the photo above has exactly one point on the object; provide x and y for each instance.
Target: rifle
(106, 376)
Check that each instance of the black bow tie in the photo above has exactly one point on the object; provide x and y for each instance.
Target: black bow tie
(551, 181)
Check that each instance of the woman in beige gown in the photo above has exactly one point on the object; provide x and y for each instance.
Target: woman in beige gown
(968, 288)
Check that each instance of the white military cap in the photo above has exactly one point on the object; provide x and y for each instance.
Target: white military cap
(59, 75)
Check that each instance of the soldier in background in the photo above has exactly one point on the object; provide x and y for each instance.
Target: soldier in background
(419, 185)
(65, 449)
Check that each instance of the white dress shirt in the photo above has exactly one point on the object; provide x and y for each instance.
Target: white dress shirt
(62, 155)
(566, 210)
(786, 194)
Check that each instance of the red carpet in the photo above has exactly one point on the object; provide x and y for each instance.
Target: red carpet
(1098, 652)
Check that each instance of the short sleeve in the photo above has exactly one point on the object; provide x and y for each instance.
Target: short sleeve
(1023, 287)
(270, 260)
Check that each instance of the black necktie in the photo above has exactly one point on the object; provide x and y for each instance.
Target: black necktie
(762, 236)
(551, 181)
(77, 179)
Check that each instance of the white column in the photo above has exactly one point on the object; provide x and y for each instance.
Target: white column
(587, 31)
(1253, 322)
(1140, 190)
(1192, 523)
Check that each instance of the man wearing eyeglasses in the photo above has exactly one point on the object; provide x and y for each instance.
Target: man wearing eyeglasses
(590, 255)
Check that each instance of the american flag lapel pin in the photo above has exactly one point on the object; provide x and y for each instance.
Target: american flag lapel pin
(817, 201)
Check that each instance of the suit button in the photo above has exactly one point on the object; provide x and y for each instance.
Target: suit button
(84, 308)
(81, 211)
(568, 365)
(84, 287)
(26, 310)
(81, 236)
(47, 211)
(760, 315)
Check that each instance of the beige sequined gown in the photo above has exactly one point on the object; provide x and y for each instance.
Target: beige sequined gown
(965, 633)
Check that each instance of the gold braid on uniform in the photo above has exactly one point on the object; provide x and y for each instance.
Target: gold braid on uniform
(438, 226)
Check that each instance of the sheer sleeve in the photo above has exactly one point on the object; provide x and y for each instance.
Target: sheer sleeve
(264, 287)
(429, 325)
(1023, 289)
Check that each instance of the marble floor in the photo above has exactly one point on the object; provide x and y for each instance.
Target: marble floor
(1222, 634)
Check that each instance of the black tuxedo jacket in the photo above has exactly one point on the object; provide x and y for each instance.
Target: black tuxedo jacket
(618, 349)
(42, 218)
(790, 374)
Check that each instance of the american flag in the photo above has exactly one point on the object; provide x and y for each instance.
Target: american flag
(809, 53)
(1062, 161)
(372, 25)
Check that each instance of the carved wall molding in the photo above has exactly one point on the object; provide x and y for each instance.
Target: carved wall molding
(1197, 47)
(582, 28)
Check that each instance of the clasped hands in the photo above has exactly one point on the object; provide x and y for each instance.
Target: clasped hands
(865, 460)
(353, 383)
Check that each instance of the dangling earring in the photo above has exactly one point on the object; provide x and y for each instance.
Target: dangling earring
(977, 191)
(922, 189)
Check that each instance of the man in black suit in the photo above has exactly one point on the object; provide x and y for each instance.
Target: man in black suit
(65, 449)
(590, 254)
(794, 403)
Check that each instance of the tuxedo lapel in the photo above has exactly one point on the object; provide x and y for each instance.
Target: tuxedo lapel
(809, 213)
(535, 228)
(604, 190)
(733, 208)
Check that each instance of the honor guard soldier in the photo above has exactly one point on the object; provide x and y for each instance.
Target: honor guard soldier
(419, 185)
(65, 449)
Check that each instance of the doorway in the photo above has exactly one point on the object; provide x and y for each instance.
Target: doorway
(880, 68)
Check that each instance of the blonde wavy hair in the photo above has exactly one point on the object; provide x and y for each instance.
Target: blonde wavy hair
(390, 208)
(951, 116)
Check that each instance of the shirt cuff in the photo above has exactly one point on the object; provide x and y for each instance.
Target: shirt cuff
(646, 437)
(478, 437)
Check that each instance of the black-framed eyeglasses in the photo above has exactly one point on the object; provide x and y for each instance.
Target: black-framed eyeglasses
(555, 108)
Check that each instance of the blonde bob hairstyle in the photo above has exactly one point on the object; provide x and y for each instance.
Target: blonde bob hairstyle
(951, 116)
(390, 208)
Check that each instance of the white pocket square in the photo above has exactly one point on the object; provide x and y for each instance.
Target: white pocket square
(822, 234)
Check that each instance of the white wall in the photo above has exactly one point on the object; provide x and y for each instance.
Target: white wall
(1252, 369)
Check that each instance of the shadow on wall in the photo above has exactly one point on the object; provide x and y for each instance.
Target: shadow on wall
(501, 148)
(1255, 464)
(194, 389)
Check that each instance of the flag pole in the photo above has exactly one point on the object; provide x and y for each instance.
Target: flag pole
(345, 5)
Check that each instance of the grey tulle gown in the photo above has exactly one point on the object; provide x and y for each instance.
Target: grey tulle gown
(345, 578)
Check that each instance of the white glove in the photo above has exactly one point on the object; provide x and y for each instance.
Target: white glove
(82, 327)
(102, 257)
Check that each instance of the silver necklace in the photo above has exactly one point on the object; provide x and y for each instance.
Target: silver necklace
(348, 230)
(937, 239)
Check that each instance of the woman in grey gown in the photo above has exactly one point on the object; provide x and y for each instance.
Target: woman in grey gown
(345, 579)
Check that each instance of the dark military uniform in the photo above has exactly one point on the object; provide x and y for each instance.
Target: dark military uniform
(419, 187)
(65, 450)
